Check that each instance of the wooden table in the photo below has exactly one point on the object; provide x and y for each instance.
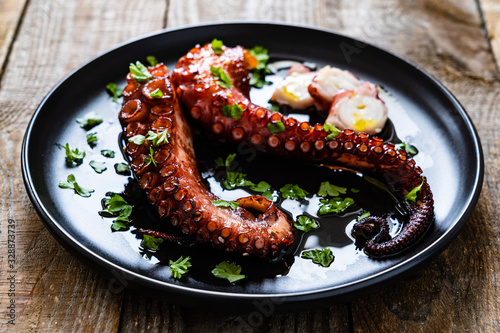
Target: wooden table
(42, 40)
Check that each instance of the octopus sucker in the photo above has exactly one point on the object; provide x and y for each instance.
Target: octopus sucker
(274, 133)
(167, 172)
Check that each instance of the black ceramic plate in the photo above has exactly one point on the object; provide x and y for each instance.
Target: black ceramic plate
(422, 111)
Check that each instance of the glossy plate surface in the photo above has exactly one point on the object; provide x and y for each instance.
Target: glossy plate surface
(423, 112)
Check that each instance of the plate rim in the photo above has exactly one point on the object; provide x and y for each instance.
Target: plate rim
(369, 282)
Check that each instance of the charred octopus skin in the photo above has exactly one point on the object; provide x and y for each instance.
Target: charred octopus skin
(167, 171)
(204, 98)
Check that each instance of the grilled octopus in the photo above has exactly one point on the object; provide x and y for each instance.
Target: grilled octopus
(206, 95)
(167, 171)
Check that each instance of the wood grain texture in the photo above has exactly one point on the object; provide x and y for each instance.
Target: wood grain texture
(11, 11)
(54, 292)
(491, 15)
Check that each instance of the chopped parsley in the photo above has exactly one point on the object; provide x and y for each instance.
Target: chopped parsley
(139, 72)
(322, 257)
(108, 153)
(293, 192)
(98, 167)
(327, 189)
(92, 139)
(151, 243)
(116, 206)
(225, 163)
(157, 93)
(150, 158)
(230, 271)
(276, 127)
(362, 216)
(74, 157)
(305, 223)
(412, 195)
(221, 76)
(216, 46)
(334, 131)
(122, 169)
(258, 74)
(114, 91)
(152, 61)
(137, 139)
(90, 121)
(156, 139)
(71, 183)
(406, 147)
(225, 204)
(234, 111)
(179, 267)
(334, 205)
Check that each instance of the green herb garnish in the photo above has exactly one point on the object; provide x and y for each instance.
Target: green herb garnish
(139, 72)
(137, 139)
(71, 183)
(305, 223)
(276, 127)
(98, 167)
(216, 46)
(122, 169)
(179, 267)
(92, 139)
(90, 121)
(108, 153)
(326, 189)
(150, 158)
(412, 195)
(230, 271)
(258, 78)
(362, 216)
(221, 76)
(293, 191)
(151, 243)
(157, 93)
(322, 257)
(117, 207)
(334, 131)
(409, 149)
(152, 61)
(157, 139)
(334, 205)
(114, 91)
(234, 111)
(225, 204)
(74, 157)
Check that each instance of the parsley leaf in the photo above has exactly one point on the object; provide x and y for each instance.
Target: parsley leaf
(230, 271)
(151, 59)
(157, 138)
(116, 206)
(216, 46)
(334, 205)
(150, 158)
(151, 243)
(234, 111)
(293, 192)
(362, 216)
(406, 147)
(92, 139)
(71, 183)
(276, 127)
(122, 169)
(90, 121)
(262, 186)
(326, 189)
(221, 76)
(114, 91)
(179, 267)
(334, 131)
(98, 167)
(137, 139)
(157, 93)
(74, 157)
(412, 195)
(322, 257)
(108, 153)
(139, 72)
(305, 223)
(225, 204)
(258, 78)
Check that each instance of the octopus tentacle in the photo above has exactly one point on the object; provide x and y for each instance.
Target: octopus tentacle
(168, 173)
(271, 132)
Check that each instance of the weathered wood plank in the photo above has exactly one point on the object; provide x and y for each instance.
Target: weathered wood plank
(53, 291)
(491, 15)
(10, 12)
